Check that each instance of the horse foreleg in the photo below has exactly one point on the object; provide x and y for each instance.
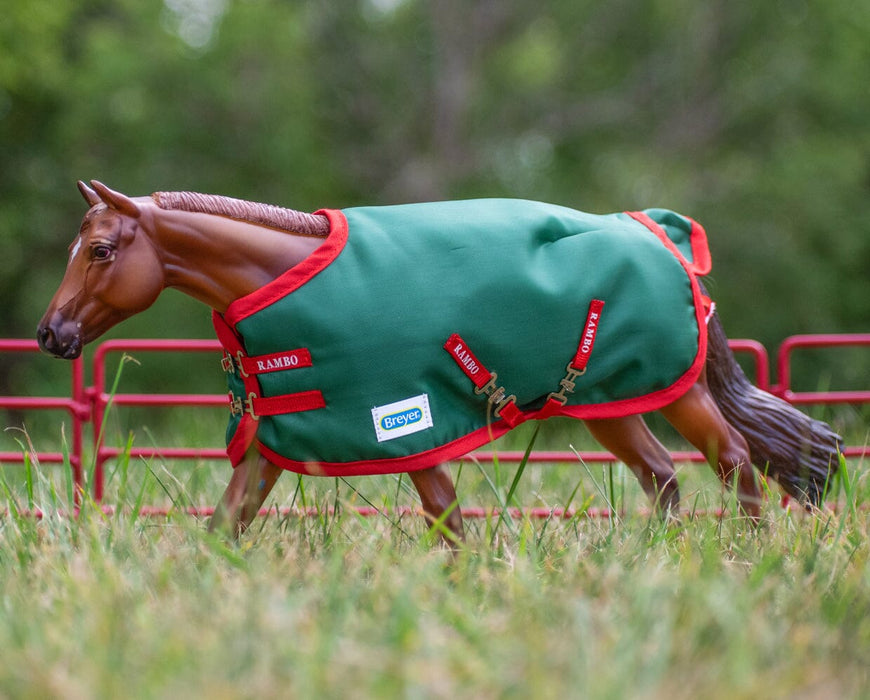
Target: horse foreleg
(438, 496)
(631, 441)
(696, 417)
(250, 484)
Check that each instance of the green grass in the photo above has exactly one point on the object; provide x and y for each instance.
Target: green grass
(344, 606)
(338, 605)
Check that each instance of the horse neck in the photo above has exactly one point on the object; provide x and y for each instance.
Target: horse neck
(217, 260)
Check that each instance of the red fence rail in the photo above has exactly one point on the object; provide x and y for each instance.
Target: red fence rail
(87, 405)
(77, 404)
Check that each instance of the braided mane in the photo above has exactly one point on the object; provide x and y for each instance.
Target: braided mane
(252, 212)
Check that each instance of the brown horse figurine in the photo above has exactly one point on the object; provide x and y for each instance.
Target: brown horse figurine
(219, 250)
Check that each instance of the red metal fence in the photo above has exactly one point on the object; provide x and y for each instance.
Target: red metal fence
(87, 405)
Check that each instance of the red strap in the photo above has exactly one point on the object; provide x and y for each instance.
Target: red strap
(467, 362)
(511, 413)
(288, 403)
(587, 340)
(484, 381)
(277, 405)
(276, 361)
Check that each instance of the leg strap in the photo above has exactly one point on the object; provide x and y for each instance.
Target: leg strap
(577, 367)
(485, 382)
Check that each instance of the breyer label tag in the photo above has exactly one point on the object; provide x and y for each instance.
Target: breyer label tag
(401, 418)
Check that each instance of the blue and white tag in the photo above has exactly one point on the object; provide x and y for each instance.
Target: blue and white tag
(402, 418)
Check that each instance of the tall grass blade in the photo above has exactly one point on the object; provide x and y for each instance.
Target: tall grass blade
(509, 499)
(68, 471)
(116, 382)
(614, 516)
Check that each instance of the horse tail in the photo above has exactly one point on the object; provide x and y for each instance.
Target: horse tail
(800, 453)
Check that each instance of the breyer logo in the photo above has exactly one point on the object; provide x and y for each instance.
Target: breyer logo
(403, 417)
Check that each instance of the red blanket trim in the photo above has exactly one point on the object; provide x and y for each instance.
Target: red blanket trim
(423, 460)
(701, 263)
(246, 431)
(297, 275)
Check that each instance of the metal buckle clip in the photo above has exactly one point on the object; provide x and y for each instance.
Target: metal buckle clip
(230, 364)
(238, 405)
(502, 403)
(489, 387)
(249, 405)
(566, 384)
(227, 363)
(239, 366)
(495, 394)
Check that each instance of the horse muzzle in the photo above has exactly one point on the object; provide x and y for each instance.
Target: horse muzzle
(61, 339)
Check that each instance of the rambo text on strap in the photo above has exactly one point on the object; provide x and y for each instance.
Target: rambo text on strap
(577, 366)
(484, 381)
(262, 364)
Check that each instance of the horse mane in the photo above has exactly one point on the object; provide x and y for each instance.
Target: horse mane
(252, 212)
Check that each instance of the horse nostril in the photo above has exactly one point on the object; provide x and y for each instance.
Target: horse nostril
(46, 339)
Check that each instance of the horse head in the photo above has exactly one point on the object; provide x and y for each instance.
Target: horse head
(113, 273)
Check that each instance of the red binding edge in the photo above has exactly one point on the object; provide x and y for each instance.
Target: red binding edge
(246, 432)
(297, 275)
(701, 263)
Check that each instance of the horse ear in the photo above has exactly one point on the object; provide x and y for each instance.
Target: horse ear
(115, 200)
(91, 197)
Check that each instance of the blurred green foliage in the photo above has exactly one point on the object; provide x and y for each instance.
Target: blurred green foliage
(750, 117)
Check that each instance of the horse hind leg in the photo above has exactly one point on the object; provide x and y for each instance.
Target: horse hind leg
(697, 417)
(630, 440)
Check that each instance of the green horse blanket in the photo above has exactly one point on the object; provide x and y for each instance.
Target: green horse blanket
(417, 333)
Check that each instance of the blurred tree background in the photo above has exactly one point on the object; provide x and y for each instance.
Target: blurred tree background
(750, 117)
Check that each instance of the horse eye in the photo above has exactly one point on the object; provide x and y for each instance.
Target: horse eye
(102, 252)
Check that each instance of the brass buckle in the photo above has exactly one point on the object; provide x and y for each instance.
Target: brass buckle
(495, 394)
(236, 404)
(230, 364)
(504, 402)
(566, 385)
(227, 363)
(239, 356)
(249, 405)
(489, 387)
(239, 406)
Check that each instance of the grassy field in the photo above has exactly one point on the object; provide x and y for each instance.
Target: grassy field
(338, 605)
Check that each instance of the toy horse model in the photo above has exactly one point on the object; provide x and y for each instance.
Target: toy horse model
(394, 339)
